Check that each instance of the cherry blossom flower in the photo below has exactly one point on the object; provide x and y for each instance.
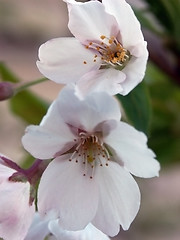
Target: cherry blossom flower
(89, 180)
(108, 52)
(42, 228)
(16, 211)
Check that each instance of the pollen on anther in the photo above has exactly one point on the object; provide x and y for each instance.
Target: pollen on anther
(102, 37)
(85, 62)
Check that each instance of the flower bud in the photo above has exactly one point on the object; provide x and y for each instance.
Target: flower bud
(6, 90)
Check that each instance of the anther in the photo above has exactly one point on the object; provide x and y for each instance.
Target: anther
(102, 37)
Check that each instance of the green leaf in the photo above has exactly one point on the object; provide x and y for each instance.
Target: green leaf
(159, 9)
(165, 127)
(147, 23)
(6, 75)
(137, 107)
(29, 107)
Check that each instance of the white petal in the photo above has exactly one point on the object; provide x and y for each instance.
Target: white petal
(129, 26)
(89, 233)
(52, 136)
(89, 21)
(63, 188)
(131, 147)
(107, 80)
(134, 71)
(39, 229)
(119, 199)
(45, 144)
(95, 108)
(65, 60)
(15, 213)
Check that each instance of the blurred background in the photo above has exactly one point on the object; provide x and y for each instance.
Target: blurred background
(25, 25)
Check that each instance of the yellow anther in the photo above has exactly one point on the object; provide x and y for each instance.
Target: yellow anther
(102, 37)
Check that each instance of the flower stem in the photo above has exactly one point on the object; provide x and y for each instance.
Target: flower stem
(29, 84)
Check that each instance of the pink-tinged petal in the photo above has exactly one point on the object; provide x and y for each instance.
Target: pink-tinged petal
(134, 71)
(89, 233)
(5, 172)
(38, 229)
(106, 80)
(95, 108)
(130, 30)
(119, 199)
(45, 144)
(15, 212)
(89, 21)
(131, 148)
(65, 60)
(64, 189)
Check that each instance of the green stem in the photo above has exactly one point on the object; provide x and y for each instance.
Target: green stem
(29, 84)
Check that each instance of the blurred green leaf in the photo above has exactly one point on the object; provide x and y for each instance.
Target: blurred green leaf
(6, 75)
(165, 127)
(137, 107)
(27, 161)
(146, 23)
(167, 12)
(29, 107)
(161, 11)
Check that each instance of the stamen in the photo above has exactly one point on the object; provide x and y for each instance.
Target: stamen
(90, 151)
(111, 52)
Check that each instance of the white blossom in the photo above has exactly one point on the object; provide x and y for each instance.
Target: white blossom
(89, 180)
(107, 53)
(16, 211)
(43, 228)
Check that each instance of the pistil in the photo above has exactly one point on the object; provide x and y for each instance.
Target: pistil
(91, 151)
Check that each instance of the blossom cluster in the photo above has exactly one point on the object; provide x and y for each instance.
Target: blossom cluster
(85, 154)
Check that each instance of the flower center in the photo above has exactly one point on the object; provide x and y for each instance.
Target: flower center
(91, 151)
(111, 52)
